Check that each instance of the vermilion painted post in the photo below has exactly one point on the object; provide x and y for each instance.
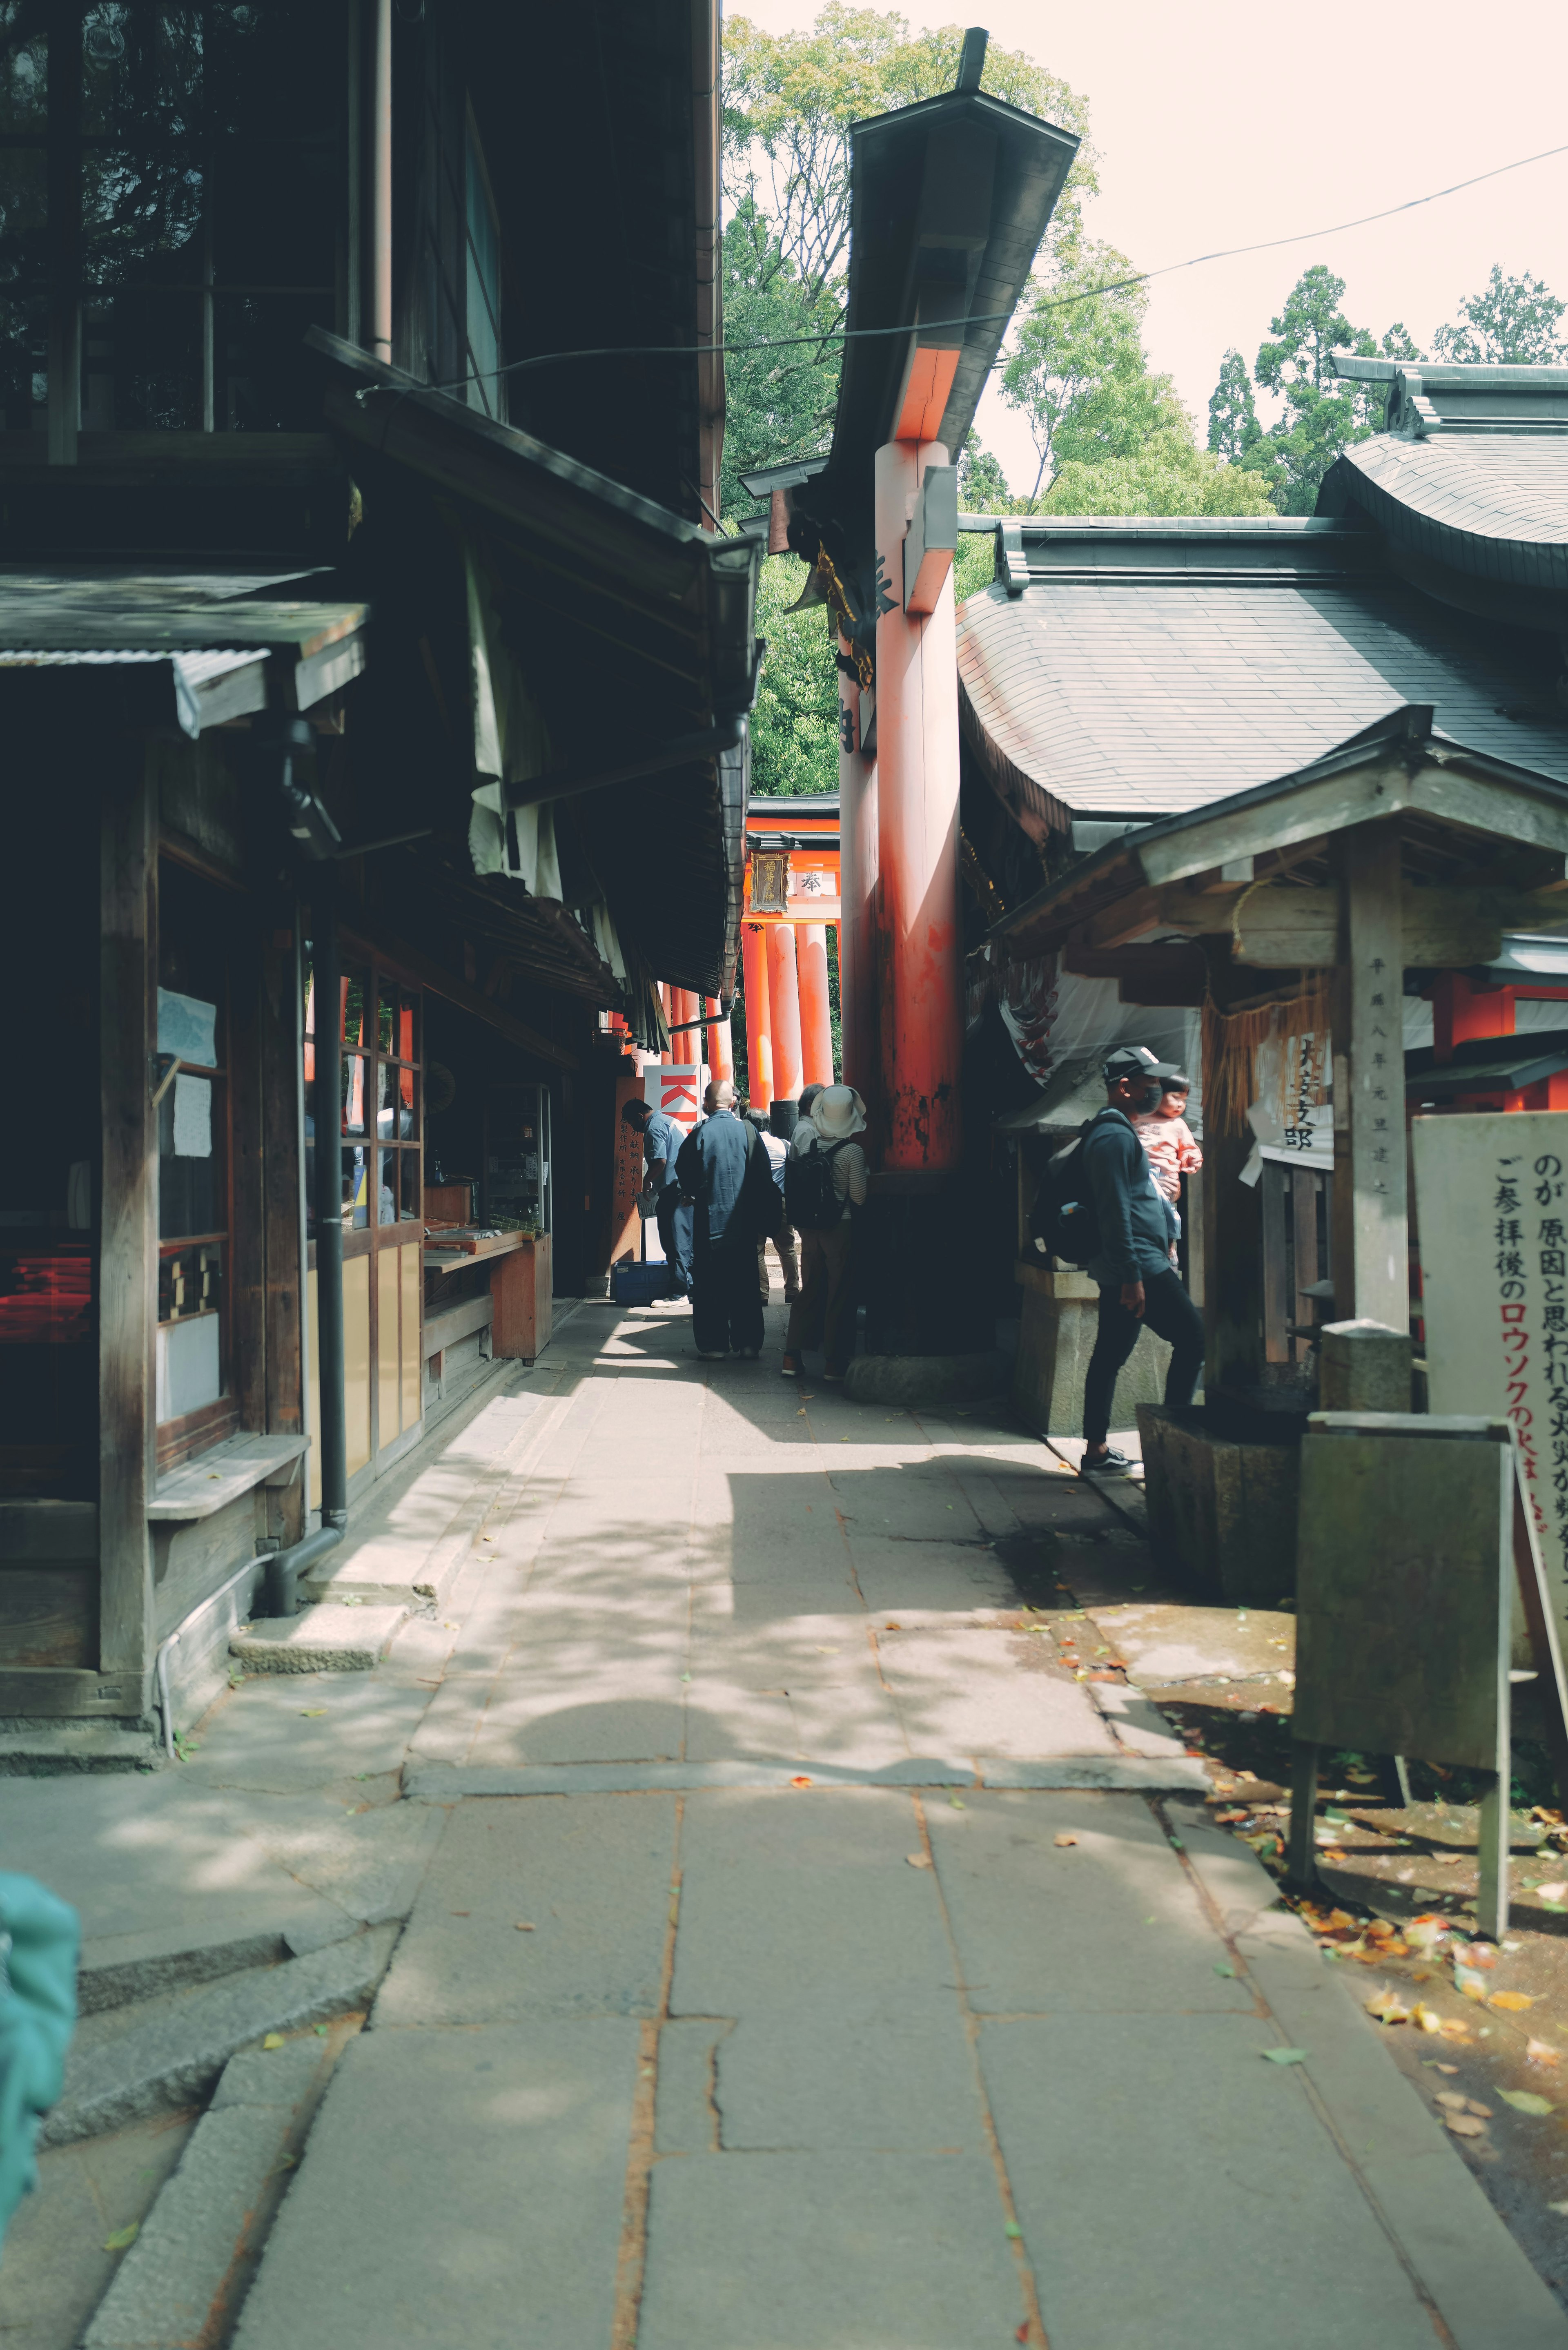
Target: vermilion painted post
(720, 1046)
(687, 1041)
(815, 1012)
(759, 1027)
(917, 802)
(857, 889)
(783, 1003)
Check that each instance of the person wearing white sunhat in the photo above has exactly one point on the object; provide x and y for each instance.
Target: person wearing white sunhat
(825, 1181)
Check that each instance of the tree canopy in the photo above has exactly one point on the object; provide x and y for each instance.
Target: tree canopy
(1513, 321)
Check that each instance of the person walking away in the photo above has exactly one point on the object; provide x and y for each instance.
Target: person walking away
(1168, 1140)
(824, 1182)
(662, 1140)
(723, 1169)
(787, 1240)
(1137, 1228)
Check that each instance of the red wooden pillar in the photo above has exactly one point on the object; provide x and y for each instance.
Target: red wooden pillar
(917, 803)
(759, 1027)
(720, 1046)
(783, 1003)
(1461, 1010)
(857, 1013)
(815, 1011)
(684, 1009)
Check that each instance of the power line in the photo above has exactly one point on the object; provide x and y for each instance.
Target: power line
(989, 318)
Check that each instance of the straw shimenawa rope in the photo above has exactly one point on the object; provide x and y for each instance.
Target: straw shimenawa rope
(1231, 1041)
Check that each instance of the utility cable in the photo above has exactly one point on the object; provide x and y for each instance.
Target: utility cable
(989, 318)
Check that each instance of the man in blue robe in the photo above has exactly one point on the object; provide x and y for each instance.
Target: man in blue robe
(723, 1168)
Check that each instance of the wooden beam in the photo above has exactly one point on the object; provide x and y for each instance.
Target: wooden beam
(1137, 911)
(1152, 975)
(1370, 1238)
(127, 1307)
(444, 983)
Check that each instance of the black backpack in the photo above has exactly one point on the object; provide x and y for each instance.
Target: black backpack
(1063, 1221)
(811, 1202)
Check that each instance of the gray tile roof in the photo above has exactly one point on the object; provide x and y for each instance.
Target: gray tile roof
(1146, 700)
(1493, 505)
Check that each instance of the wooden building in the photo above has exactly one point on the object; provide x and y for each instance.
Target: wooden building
(376, 734)
(1311, 779)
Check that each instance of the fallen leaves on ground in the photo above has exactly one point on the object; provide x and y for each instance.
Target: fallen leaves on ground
(919, 1859)
(1388, 2006)
(1540, 2051)
(1513, 2003)
(272, 2040)
(521, 1928)
(1526, 2101)
(1065, 1838)
(1463, 2125)
(309, 1713)
(1283, 2055)
(122, 2238)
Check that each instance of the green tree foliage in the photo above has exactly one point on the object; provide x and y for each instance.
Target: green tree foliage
(1113, 434)
(1320, 415)
(981, 484)
(777, 404)
(795, 727)
(1233, 425)
(1513, 321)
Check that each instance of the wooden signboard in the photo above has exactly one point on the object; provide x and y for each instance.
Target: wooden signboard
(1491, 1206)
(1412, 1536)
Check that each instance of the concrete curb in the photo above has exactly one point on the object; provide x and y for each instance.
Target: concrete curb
(333, 1637)
(174, 2059)
(170, 2289)
(448, 1783)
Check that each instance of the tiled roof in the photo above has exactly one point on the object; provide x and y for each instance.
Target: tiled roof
(1147, 699)
(1493, 505)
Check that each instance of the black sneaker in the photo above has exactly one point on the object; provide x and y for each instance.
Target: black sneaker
(1110, 1465)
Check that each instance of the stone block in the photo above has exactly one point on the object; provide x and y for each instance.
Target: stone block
(592, 1879)
(820, 2251)
(1221, 1508)
(335, 1638)
(175, 2058)
(457, 2187)
(1364, 1366)
(1057, 1337)
(808, 2082)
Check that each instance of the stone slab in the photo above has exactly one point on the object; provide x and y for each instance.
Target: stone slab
(332, 1637)
(489, 2217)
(175, 2058)
(169, 2288)
(283, 1734)
(278, 2078)
(50, 1749)
(170, 1886)
(790, 1905)
(57, 2266)
(810, 2081)
(593, 1879)
(1111, 1922)
(448, 1783)
(965, 1692)
(686, 2116)
(827, 2251)
(1083, 2105)
(1162, 1644)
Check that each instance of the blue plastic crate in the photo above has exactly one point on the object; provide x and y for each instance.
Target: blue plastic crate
(639, 1284)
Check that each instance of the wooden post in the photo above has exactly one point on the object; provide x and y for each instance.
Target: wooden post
(922, 1003)
(815, 1012)
(720, 1046)
(128, 1265)
(1232, 1268)
(1371, 1240)
(783, 1003)
(857, 887)
(759, 1027)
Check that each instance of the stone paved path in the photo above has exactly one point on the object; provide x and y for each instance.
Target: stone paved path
(799, 1959)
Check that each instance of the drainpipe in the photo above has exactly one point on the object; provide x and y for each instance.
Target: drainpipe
(285, 1567)
(381, 188)
(706, 54)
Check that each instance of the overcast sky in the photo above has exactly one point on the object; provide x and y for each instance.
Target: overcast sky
(1220, 123)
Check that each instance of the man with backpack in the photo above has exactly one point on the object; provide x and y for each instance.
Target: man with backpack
(826, 1180)
(1126, 1245)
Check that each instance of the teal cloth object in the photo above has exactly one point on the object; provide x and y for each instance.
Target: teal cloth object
(41, 1938)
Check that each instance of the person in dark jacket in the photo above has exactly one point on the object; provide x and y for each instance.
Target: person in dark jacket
(1139, 1283)
(723, 1168)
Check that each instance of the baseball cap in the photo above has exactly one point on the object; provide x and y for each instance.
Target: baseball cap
(1137, 1061)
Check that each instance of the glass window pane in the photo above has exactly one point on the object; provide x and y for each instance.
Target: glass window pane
(192, 1185)
(387, 1190)
(24, 365)
(141, 361)
(356, 1189)
(356, 1004)
(22, 214)
(410, 1198)
(351, 1092)
(264, 381)
(23, 67)
(141, 69)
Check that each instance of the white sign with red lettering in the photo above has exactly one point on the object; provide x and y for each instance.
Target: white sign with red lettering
(1491, 1206)
(677, 1090)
